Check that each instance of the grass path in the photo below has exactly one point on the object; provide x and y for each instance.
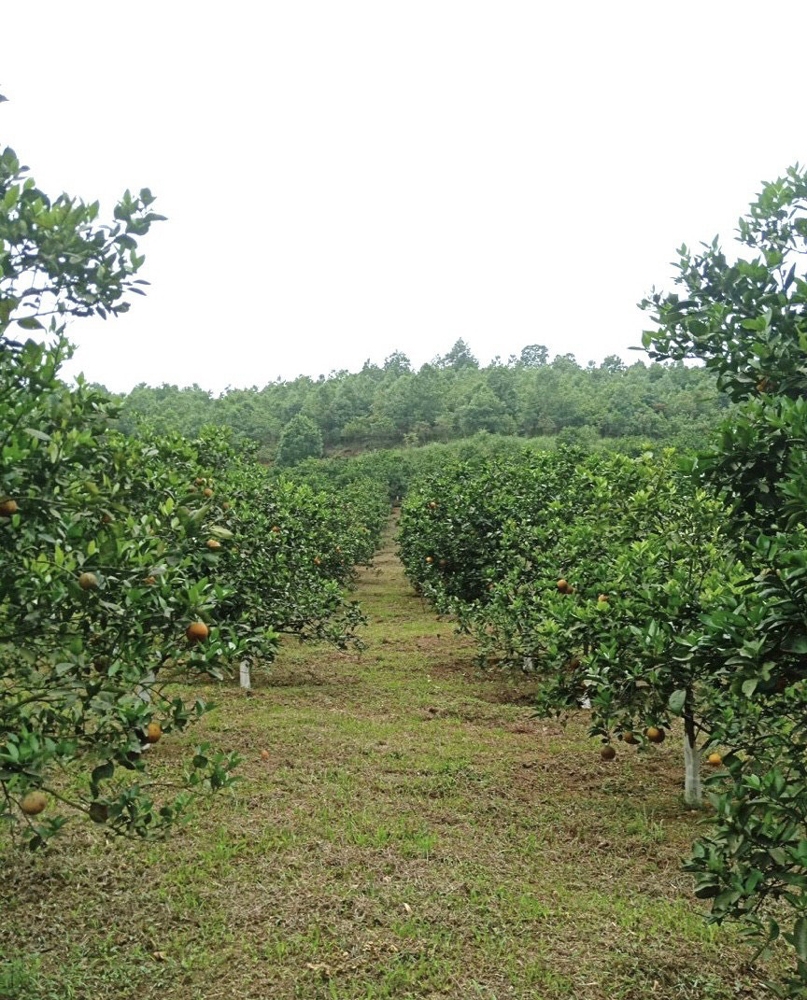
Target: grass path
(414, 833)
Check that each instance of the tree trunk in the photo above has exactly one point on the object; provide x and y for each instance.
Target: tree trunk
(693, 796)
(246, 683)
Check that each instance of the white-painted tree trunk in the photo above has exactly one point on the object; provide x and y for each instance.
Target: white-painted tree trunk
(143, 691)
(246, 679)
(693, 795)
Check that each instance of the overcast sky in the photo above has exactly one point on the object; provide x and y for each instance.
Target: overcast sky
(345, 179)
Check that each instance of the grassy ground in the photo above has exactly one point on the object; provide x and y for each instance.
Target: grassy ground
(415, 832)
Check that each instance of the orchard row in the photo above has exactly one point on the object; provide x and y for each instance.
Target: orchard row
(620, 584)
(589, 571)
(132, 564)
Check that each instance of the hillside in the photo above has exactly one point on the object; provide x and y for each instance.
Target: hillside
(393, 406)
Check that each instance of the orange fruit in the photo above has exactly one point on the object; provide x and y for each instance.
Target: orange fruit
(8, 508)
(654, 734)
(197, 631)
(607, 752)
(603, 598)
(33, 803)
(207, 492)
(629, 738)
(150, 580)
(264, 755)
(563, 586)
(213, 543)
(429, 559)
(714, 759)
(88, 581)
(153, 732)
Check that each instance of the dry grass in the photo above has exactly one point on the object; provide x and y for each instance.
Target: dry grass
(415, 833)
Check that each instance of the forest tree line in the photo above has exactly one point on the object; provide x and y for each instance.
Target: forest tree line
(392, 405)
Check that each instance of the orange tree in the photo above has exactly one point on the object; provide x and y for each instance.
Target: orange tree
(132, 562)
(288, 551)
(129, 562)
(588, 572)
(100, 577)
(746, 319)
(601, 588)
(453, 520)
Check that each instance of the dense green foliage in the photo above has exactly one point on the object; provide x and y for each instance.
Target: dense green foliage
(393, 406)
(300, 439)
(656, 594)
(585, 570)
(113, 545)
(747, 321)
(130, 563)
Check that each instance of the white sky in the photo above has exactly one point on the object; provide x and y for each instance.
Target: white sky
(347, 178)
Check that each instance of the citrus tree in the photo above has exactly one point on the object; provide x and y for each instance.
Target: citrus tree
(745, 317)
(132, 563)
(586, 571)
(103, 587)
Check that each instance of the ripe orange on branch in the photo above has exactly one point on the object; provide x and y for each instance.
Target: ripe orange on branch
(197, 631)
(654, 734)
(88, 581)
(33, 803)
(8, 508)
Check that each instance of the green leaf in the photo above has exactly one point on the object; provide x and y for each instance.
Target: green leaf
(750, 686)
(39, 435)
(797, 644)
(219, 532)
(30, 323)
(102, 772)
(677, 701)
